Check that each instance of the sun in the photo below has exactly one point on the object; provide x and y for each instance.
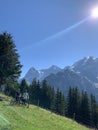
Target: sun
(95, 12)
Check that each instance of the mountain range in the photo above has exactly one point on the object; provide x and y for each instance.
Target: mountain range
(82, 74)
(40, 74)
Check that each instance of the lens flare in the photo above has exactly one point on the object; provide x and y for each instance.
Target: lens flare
(58, 34)
(95, 12)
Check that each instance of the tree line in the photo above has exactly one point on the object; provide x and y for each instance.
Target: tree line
(78, 106)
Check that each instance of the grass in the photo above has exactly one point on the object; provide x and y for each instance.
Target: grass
(32, 118)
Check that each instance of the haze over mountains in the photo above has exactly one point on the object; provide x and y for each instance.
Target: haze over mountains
(83, 74)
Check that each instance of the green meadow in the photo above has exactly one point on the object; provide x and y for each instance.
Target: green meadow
(14, 117)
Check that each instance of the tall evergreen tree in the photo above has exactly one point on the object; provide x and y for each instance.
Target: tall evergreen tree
(69, 103)
(73, 103)
(63, 105)
(53, 97)
(45, 95)
(23, 86)
(60, 103)
(94, 111)
(10, 67)
(85, 108)
(35, 92)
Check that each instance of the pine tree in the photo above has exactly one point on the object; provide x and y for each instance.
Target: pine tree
(94, 111)
(23, 86)
(53, 97)
(35, 92)
(10, 67)
(76, 102)
(46, 95)
(69, 103)
(60, 103)
(85, 108)
(73, 103)
(63, 105)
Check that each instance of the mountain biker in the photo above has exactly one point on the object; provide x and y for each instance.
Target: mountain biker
(26, 98)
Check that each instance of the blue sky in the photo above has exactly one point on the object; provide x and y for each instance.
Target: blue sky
(32, 21)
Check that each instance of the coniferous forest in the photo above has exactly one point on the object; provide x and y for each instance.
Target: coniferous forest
(78, 106)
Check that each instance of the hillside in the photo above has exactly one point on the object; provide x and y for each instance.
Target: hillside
(32, 118)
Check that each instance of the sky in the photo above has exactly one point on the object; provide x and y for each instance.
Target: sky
(50, 32)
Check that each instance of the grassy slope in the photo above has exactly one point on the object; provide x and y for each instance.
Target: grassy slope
(33, 118)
